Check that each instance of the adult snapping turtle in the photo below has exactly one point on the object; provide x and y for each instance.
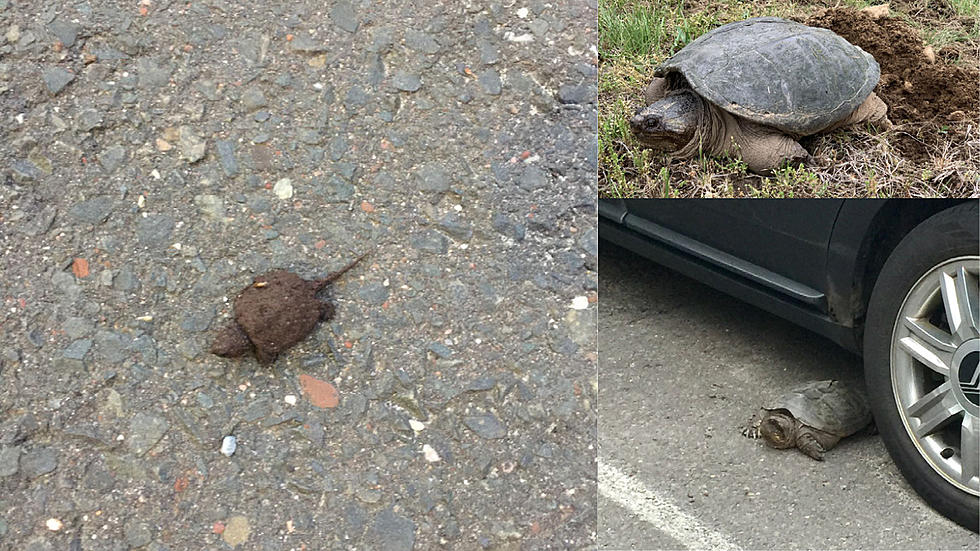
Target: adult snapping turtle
(750, 89)
(812, 417)
(276, 311)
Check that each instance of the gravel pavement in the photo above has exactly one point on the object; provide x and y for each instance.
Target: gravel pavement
(682, 368)
(157, 155)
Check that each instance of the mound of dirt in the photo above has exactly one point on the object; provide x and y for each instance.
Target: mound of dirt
(915, 88)
(927, 96)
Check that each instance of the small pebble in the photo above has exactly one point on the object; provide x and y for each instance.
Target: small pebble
(290, 399)
(580, 303)
(417, 426)
(283, 188)
(430, 454)
(53, 524)
(229, 445)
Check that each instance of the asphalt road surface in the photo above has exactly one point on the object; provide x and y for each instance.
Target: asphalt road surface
(158, 155)
(682, 368)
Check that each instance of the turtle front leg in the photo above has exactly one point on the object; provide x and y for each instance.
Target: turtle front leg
(765, 149)
(327, 310)
(810, 446)
(655, 91)
(751, 428)
(815, 443)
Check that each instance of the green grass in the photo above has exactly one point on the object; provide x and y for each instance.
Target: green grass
(859, 4)
(631, 32)
(966, 8)
(627, 32)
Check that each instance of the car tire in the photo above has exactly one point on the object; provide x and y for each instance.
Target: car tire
(929, 426)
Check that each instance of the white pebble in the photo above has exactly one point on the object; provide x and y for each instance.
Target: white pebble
(417, 426)
(283, 188)
(290, 399)
(522, 13)
(520, 39)
(430, 454)
(580, 303)
(53, 524)
(229, 445)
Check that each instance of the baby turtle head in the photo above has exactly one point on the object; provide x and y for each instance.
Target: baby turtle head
(779, 429)
(668, 124)
(231, 342)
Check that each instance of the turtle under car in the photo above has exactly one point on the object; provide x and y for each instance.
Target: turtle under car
(896, 281)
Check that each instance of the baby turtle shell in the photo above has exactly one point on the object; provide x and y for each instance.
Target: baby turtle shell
(278, 310)
(779, 73)
(828, 406)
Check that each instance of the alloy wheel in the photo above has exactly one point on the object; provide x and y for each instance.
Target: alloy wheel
(935, 348)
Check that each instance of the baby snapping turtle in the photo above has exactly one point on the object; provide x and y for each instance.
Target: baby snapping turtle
(813, 418)
(276, 311)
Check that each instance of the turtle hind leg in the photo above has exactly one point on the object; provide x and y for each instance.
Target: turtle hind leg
(872, 110)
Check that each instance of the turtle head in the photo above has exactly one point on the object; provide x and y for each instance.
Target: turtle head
(668, 124)
(779, 429)
(231, 342)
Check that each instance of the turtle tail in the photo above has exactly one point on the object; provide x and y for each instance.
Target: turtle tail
(333, 276)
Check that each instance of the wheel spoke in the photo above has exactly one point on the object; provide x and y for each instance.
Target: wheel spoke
(930, 334)
(934, 410)
(968, 293)
(932, 357)
(957, 301)
(969, 449)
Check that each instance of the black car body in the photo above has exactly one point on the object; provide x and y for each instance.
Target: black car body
(813, 262)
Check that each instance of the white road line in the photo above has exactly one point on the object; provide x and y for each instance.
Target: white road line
(658, 511)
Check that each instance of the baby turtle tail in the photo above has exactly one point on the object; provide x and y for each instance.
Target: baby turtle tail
(334, 276)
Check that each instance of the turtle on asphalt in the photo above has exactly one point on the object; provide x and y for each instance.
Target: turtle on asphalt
(812, 417)
(751, 88)
(276, 311)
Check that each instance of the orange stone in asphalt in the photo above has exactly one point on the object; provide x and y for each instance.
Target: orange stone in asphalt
(320, 393)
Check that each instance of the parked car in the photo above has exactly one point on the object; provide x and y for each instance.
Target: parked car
(897, 281)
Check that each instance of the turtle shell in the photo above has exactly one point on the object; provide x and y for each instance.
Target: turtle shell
(828, 406)
(779, 73)
(277, 311)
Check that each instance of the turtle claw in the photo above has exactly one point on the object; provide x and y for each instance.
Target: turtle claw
(751, 429)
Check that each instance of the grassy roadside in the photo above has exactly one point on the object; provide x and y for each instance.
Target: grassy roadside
(637, 35)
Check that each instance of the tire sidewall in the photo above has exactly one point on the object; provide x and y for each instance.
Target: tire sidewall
(949, 234)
